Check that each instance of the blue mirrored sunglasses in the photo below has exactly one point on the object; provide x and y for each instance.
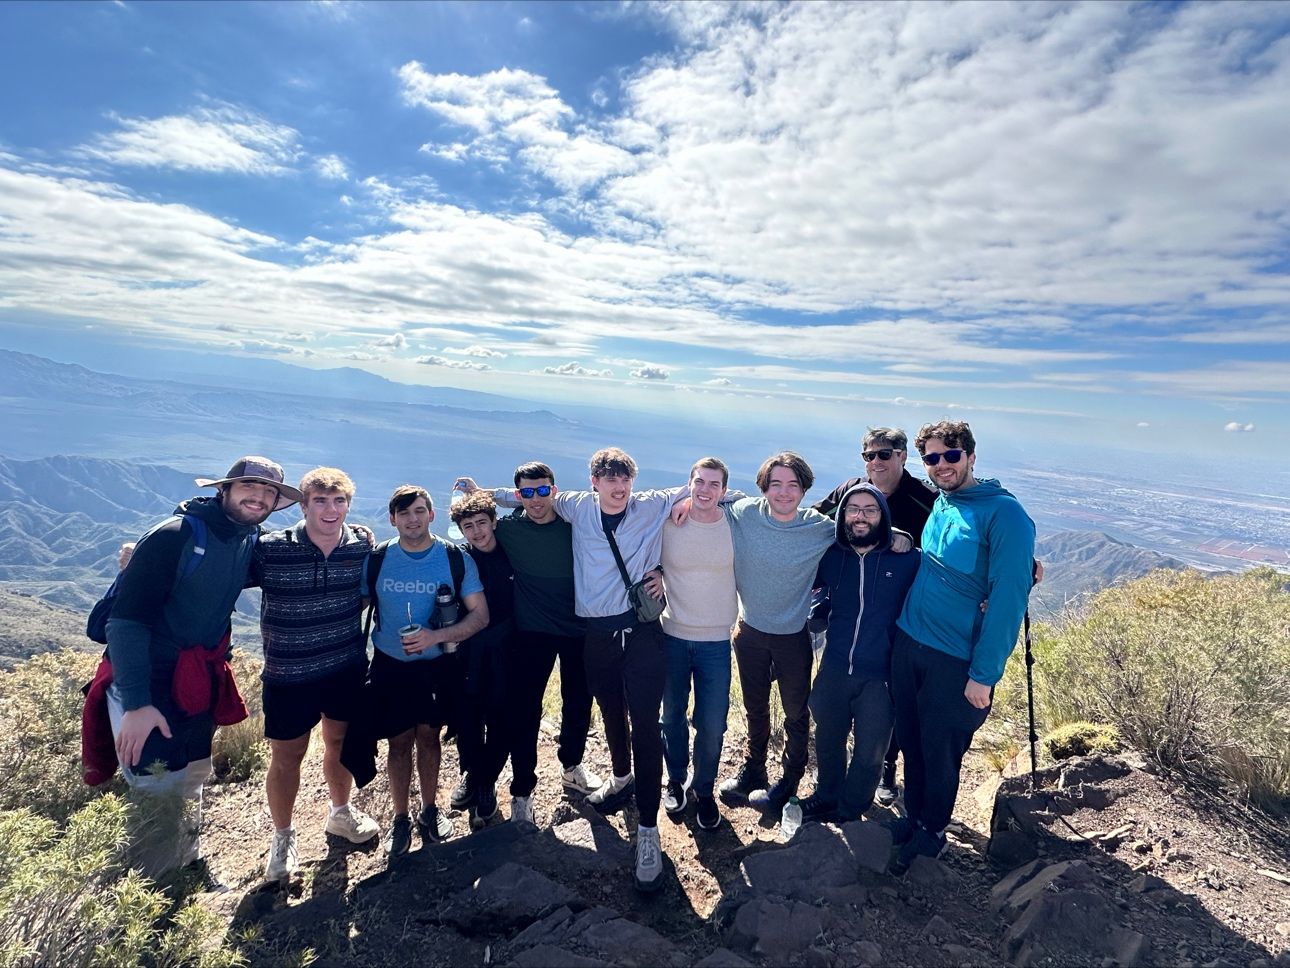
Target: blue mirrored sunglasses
(951, 457)
(542, 490)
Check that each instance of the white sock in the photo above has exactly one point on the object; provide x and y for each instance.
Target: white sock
(284, 830)
(621, 781)
(335, 809)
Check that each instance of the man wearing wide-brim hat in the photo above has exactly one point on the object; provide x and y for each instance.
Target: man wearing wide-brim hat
(168, 645)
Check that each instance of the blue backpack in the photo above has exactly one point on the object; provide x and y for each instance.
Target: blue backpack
(96, 626)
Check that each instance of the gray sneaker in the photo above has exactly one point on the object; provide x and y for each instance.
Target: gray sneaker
(649, 860)
(283, 858)
(400, 837)
(580, 779)
(522, 810)
(613, 793)
(432, 825)
(352, 824)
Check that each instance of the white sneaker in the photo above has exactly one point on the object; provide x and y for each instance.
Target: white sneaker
(581, 779)
(608, 790)
(522, 810)
(283, 859)
(649, 859)
(352, 824)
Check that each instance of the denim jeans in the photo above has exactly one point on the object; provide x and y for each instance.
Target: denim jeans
(709, 663)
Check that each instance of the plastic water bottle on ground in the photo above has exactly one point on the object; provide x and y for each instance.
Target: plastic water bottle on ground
(791, 819)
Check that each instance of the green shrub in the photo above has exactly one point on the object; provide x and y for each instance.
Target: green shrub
(1081, 739)
(67, 899)
(40, 734)
(240, 752)
(1192, 671)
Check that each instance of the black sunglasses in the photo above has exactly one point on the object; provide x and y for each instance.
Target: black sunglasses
(542, 490)
(951, 457)
(882, 454)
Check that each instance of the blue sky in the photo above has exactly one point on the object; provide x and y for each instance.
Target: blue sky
(1062, 220)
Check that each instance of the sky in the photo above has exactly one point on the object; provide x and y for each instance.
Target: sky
(1064, 221)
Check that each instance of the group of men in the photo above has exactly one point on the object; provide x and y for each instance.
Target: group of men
(640, 595)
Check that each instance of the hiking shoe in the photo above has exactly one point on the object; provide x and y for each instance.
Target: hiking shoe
(923, 843)
(886, 794)
(432, 825)
(649, 860)
(773, 800)
(749, 778)
(463, 794)
(817, 809)
(901, 830)
(707, 814)
(400, 837)
(522, 810)
(352, 824)
(283, 858)
(485, 806)
(613, 793)
(580, 779)
(674, 797)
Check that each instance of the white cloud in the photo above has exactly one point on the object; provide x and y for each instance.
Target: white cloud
(1142, 424)
(332, 167)
(650, 372)
(573, 368)
(1239, 428)
(394, 341)
(720, 381)
(360, 356)
(451, 364)
(479, 351)
(223, 138)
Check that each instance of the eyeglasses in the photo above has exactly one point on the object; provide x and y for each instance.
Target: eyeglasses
(951, 457)
(862, 511)
(542, 490)
(881, 454)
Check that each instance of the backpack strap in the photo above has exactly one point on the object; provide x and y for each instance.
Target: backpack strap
(375, 558)
(456, 565)
(198, 551)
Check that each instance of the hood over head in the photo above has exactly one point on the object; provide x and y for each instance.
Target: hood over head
(884, 532)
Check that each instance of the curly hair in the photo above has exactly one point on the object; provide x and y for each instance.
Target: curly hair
(477, 502)
(612, 460)
(327, 479)
(794, 462)
(955, 434)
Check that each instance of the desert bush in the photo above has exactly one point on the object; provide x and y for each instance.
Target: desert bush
(1081, 739)
(1193, 671)
(40, 734)
(240, 752)
(67, 899)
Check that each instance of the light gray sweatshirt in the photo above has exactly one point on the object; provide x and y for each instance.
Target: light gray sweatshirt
(775, 563)
(598, 589)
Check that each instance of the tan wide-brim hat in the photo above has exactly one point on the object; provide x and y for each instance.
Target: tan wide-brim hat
(261, 470)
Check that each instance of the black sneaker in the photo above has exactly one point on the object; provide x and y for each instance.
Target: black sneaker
(707, 814)
(923, 843)
(463, 794)
(901, 830)
(485, 806)
(886, 794)
(400, 837)
(773, 800)
(817, 809)
(749, 778)
(674, 798)
(432, 825)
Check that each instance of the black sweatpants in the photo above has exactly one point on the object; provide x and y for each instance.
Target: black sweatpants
(484, 719)
(935, 724)
(763, 658)
(626, 671)
(532, 656)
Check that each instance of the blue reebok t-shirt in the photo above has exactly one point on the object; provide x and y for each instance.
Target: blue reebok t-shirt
(410, 581)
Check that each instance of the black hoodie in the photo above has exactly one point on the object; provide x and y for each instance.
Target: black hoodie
(866, 594)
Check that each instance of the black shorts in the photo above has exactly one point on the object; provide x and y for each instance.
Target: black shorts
(292, 710)
(407, 694)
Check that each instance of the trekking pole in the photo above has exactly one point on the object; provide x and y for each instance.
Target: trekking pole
(1030, 701)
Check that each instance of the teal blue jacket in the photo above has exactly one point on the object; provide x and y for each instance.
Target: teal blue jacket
(978, 545)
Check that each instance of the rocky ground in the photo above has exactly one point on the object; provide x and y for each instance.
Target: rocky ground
(1110, 864)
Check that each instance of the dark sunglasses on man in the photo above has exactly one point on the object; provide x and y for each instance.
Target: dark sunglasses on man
(542, 490)
(951, 457)
(883, 453)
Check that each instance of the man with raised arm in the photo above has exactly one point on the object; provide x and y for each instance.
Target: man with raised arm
(168, 644)
(978, 547)
(539, 545)
(624, 655)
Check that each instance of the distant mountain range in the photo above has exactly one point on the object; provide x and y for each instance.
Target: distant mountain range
(1078, 564)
